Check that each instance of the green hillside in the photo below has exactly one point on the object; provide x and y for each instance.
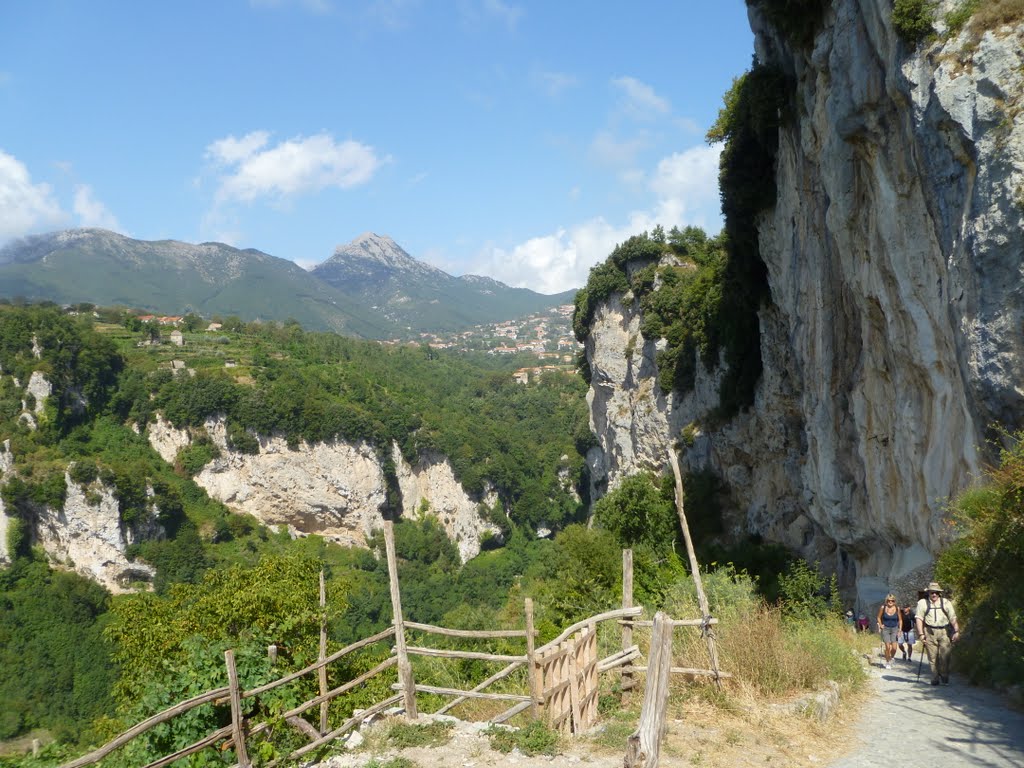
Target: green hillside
(173, 278)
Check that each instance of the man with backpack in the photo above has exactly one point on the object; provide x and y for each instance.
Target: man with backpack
(937, 625)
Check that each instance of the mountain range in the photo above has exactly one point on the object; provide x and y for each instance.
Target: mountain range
(370, 287)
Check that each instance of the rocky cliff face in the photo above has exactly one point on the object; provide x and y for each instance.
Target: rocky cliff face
(892, 341)
(336, 489)
(6, 462)
(86, 535)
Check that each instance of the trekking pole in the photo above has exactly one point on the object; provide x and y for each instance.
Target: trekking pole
(919, 665)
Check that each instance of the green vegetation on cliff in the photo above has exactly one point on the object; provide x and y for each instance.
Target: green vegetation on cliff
(984, 566)
(518, 439)
(702, 294)
(796, 20)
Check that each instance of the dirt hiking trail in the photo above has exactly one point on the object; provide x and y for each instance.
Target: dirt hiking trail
(900, 722)
(928, 726)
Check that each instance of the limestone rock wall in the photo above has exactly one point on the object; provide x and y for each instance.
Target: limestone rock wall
(6, 462)
(893, 339)
(431, 483)
(87, 535)
(336, 489)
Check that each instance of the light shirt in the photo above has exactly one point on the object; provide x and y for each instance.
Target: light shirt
(932, 613)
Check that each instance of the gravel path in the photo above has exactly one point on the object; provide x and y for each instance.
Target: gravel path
(928, 726)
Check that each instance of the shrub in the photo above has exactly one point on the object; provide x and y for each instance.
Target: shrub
(535, 738)
(985, 567)
(805, 593)
(754, 109)
(192, 458)
(84, 472)
(241, 440)
(401, 735)
(759, 644)
(913, 19)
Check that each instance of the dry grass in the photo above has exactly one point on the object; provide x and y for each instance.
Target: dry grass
(992, 14)
(774, 661)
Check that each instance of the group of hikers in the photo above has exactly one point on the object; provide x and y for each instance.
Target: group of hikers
(932, 620)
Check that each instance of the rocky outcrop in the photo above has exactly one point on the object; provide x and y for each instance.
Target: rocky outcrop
(40, 389)
(335, 489)
(6, 462)
(88, 536)
(892, 340)
(431, 488)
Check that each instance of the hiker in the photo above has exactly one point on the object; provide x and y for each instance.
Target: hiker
(936, 623)
(907, 637)
(862, 623)
(888, 620)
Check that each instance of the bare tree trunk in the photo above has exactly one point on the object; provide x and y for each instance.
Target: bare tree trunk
(644, 746)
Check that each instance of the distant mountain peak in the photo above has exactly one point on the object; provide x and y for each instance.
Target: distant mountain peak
(380, 251)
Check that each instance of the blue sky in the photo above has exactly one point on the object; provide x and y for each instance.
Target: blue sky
(516, 139)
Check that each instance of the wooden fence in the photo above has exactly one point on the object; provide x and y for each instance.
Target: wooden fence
(562, 678)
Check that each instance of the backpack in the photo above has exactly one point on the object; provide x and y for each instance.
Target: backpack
(942, 607)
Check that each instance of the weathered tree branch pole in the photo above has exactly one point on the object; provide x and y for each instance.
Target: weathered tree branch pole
(404, 667)
(627, 679)
(237, 723)
(702, 598)
(322, 672)
(644, 746)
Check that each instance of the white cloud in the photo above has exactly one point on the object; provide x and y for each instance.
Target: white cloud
(555, 83)
(509, 15)
(691, 176)
(611, 151)
(556, 262)
(686, 189)
(640, 100)
(231, 150)
(298, 166)
(24, 207)
(392, 13)
(91, 212)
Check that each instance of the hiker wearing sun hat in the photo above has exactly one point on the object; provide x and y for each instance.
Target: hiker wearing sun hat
(936, 623)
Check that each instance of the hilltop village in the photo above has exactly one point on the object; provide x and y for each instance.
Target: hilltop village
(547, 335)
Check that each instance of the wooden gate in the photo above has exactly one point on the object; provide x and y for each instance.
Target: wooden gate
(567, 679)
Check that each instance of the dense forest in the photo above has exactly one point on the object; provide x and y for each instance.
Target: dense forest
(84, 664)
(110, 377)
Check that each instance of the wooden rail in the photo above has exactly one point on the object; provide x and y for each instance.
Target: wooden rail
(474, 633)
(445, 653)
(564, 671)
(145, 725)
(618, 613)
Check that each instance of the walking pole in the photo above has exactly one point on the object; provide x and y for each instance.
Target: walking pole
(920, 664)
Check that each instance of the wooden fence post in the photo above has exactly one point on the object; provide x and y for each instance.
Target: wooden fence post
(644, 746)
(702, 598)
(531, 661)
(322, 672)
(237, 726)
(627, 681)
(404, 667)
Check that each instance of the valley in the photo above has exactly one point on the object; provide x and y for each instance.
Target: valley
(204, 449)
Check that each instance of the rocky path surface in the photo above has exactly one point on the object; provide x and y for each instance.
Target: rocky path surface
(913, 724)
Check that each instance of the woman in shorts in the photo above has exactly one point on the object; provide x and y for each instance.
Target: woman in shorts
(889, 619)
